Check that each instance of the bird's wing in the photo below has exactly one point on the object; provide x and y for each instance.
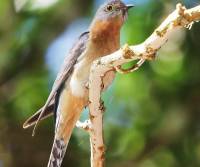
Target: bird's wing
(66, 70)
(47, 113)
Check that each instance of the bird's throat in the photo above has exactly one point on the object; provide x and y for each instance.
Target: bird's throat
(105, 31)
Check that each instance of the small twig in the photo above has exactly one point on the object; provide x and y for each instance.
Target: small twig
(135, 67)
(86, 125)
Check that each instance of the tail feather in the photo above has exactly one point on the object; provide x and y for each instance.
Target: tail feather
(57, 153)
(33, 119)
(63, 133)
(68, 112)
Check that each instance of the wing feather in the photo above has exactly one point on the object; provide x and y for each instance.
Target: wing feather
(66, 70)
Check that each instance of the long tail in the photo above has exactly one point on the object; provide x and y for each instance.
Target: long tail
(61, 140)
(68, 113)
(57, 153)
(63, 133)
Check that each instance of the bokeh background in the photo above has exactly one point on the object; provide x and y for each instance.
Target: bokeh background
(153, 115)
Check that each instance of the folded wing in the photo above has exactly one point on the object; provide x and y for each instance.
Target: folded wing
(66, 70)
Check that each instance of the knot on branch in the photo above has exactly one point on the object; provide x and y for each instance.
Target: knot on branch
(184, 18)
(162, 32)
(150, 53)
(102, 106)
(181, 9)
(103, 150)
(127, 52)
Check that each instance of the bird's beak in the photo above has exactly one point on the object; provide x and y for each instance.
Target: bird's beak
(125, 10)
(129, 6)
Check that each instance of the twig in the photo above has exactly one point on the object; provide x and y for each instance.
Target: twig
(86, 125)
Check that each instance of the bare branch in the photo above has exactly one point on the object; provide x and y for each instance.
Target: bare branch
(181, 17)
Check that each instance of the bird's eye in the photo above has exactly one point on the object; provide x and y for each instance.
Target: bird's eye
(109, 8)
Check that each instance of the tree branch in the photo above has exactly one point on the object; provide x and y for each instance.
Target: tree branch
(181, 17)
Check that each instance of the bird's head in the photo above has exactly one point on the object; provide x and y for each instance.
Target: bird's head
(108, 20)
(113, 10)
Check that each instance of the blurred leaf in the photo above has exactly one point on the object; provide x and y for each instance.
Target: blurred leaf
(130, 144)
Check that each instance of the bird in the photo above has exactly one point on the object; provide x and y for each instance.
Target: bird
(70, 94)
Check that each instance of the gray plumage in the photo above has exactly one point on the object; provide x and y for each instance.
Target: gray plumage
(65, 72)
(58, 152)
